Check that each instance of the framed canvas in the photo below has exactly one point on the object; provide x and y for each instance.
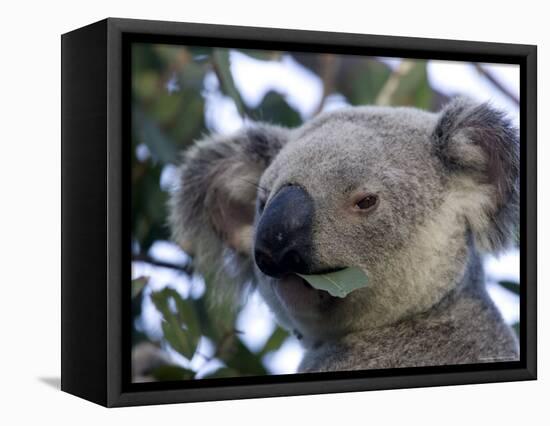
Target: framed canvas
(253, 212)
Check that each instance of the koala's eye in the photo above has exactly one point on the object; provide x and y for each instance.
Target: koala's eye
(368, 202)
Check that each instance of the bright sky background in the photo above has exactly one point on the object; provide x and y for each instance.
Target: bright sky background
(303, 90)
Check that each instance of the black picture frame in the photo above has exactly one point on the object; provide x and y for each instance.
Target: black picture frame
(95, 212)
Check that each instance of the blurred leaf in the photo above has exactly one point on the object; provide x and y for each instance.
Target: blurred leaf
(240, 358)
(138, 284)
(308, 60)
(160, 301)
(178, 338)
(424, 96)
(357, 78)
(191, 79)
(274, 108)
(511, 286)
(162, 149)
(360, 82)
(222, 68)
(139, 337)
(263, 55)
(200, 53)
(407, 85)
(222, 373)
(180, 328)
(515, 327)
(145, 84)
(145, 58)
(148, 207)
(188, 121)
(185, 313)
(172, 372)
(275, 341)
(173, 57)
(164, 109)
(216, 316)
(136, 303)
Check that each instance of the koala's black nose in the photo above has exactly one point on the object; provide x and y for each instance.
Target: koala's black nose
(283, 235)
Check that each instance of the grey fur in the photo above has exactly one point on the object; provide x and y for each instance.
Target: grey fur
(220, 174)
(447, 185)
(486, 144)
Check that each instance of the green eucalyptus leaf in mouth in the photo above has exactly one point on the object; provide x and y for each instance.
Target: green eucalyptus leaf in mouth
(339, 283)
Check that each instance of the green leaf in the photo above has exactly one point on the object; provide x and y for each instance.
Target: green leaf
(145, 84)
(275, 341)
(263, 55)
(216, 316)
(239, 358)
(407, 85)
(148, 132)
(357, 78)
(361, 80)
(222, 68)
(180, 328)
(160, 301)
(222, 372)
(200, 53)
(178, 338)
(186, 314)
(172, 372)
(138, 284)
(511, 286)
(339, 283)
(275, 109)
(515, 327)
(188, 119)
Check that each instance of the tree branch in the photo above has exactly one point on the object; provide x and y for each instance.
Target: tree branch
(493, 80)
(328, 64)
(142, 257)
(391, 86)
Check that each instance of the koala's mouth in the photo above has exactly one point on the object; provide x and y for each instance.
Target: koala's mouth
(300, 297)
(333, 284)
(306, 284)
(321, 295)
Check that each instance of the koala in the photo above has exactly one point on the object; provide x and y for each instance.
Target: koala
(413, 198)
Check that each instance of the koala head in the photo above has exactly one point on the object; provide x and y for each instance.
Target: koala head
(403, 194)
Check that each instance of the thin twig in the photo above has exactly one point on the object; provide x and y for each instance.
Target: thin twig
(388, 91)
(141, 257)
(328, 66)
(494, 81)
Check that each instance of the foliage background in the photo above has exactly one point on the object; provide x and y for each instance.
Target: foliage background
(179, 93)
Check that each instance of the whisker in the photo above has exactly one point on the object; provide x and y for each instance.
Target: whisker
(258, 186)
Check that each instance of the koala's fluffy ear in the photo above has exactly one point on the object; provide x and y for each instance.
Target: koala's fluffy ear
(212, 208)
(479, 147)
